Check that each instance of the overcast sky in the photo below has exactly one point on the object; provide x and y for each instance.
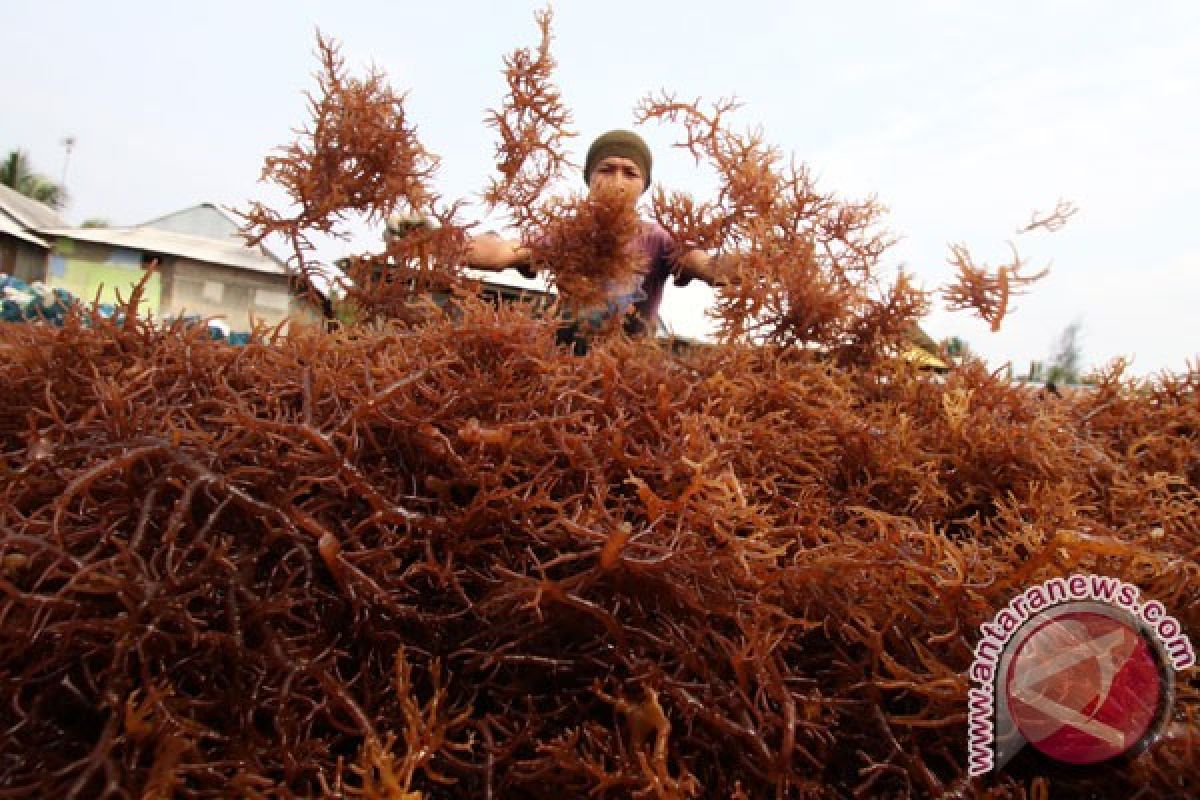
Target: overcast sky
(962, 118)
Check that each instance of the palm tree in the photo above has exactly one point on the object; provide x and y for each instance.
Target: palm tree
(17, 173)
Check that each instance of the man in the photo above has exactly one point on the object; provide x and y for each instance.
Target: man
(618, 160)
(621, 160)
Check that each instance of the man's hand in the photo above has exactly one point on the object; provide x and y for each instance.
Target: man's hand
(713, 270)
(489, 251)
(400, 225)
(493, 253)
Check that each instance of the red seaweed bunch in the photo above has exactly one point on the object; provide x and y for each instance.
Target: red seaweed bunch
(800, 266)
(1051, 221)
(359, 159)
(532, 124)
(581, 243)
(585, 244)
(988, 292)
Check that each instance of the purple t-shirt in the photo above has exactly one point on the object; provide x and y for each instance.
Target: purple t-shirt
(655, 246)
(644, 293)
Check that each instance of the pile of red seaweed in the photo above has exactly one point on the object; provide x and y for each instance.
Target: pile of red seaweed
(436, 555)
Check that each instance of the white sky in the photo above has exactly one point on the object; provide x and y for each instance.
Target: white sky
(961, 117)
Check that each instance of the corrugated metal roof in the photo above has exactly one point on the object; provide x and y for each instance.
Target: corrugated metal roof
(13, 228)
(224, 252)
(27, 211)
(202, 219)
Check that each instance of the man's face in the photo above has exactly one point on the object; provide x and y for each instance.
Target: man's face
(619, 174)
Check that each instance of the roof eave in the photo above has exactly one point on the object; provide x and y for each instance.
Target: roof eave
(26, 237)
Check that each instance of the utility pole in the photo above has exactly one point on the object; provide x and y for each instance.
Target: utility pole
(68, 144)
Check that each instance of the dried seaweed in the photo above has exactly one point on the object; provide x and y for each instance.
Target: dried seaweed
(451, 559)
(1051, 221)
(802, 267)
(580, 242)
(989, 294)
(533, 128)
(359, 158)
(766, 572)
(584, 243)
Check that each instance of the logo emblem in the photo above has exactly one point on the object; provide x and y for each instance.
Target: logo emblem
(1080, 667)
(1084, 687)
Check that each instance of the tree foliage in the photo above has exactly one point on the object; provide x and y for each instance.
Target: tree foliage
(1066, 361)
(16, 172)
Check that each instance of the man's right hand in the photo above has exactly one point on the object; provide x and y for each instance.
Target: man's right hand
(493, 253)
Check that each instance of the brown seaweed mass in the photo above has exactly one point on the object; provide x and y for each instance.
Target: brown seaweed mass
(435, 555)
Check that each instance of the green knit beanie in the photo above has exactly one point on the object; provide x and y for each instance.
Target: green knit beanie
(624, 144)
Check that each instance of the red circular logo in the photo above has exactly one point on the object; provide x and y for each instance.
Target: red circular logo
(1083, 687)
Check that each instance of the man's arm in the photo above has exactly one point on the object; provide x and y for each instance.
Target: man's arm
(489, 252)
(714, 270)
(494, 253)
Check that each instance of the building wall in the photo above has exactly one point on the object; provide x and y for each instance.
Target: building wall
(181, 286)
(90, 271)
(21, 259)
(240, 297)
(31, 262)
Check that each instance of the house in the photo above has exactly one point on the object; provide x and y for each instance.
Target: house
(203, 267)
(22, 251)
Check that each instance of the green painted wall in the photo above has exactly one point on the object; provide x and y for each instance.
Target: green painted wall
(86, 270)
